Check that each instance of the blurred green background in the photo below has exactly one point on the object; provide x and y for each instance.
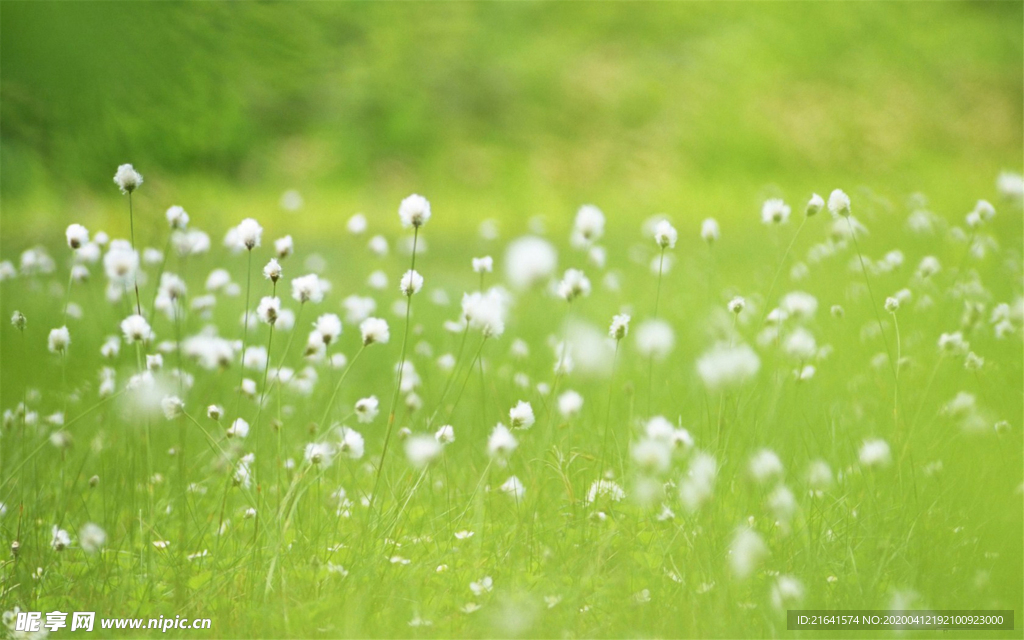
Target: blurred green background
(500, 109)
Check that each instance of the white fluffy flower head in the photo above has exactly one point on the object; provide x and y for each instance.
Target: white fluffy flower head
(127, 178)
(414, 211)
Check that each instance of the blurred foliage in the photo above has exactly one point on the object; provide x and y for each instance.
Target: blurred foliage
(507, 96)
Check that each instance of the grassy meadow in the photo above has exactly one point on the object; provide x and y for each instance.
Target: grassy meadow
(706, 312)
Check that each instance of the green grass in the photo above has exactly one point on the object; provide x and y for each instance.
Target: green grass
(939, 527)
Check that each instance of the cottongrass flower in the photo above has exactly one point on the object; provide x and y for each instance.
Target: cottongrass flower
(819, 477)
(710, 231)
(570, 403)
(603, 488)
(746, 552)
(214, 411)
(800, 345)
(411, 283)
(136, 329)
(875, 453)
(238, 429)
(529, 261)
(366, 409)
(486, 311)
(588, 226)
(249, 233)
(481, 586)
(513, 487)
(521, 416)
(59, 340)
(665, 235)
(284, 247)
(269, 309)
(307, 288)
(77, 236)
(172, 407)
(501, 442)
(765, 466)
(655, 339)
(59, 539)
(177, 217)
(699, 484)
(421, 450)
(328, 326)
(91, 537)
(892, 304)
(18, 320)
(351, 443)
(726, 366)
(318, 454)
(736, 305)
(574, 284)
(839, 203)
(374, 331)
(356, 225)
(414, 211)
(483, 265)
(272, 270)
(652, 455)
(814, 205)
(127, 178)
(619, 328)
(787, 593)
(445, 434)
(775, 211)
(799, 304)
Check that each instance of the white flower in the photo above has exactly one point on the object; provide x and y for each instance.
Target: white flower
(521, 415)
(249, 233)
(421, 450)
(60, 539)
(269, 309)
(351, 443)
(356, 224)
(727, 365)
(839, 203)
(120, 262)
(655, 339)
(570, 404)
(787, 593)
(59, 340)
(91, 537)
(307, 288)
(177, 217)
(445, 435)
(573, 285)
(414, 211)
(819, 475)
(358, 308)
(482, 586)
(737, 304)
(486, 311)
(800, 345)
(529, 261)
(875, 453)
(665, 235)
(483, 265)
(374, 330)
(589, 225)
(318, 454)
(652, 455)
(765, 465)
(605, 489)
(1011, 186)
(775, 211)
(329, 327)
(699, 484)
(411, 283)
(892, 304)
(172, 407)
(284, 247)
(272, 271)
(709, 231)
(619, 328)
(127, 178)
(501, 442)
(366, 409)
(136, 329)
(746, 552)
(513, 487)
(814, 205)
(238, 429)
(214, 412)
(77, 236)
